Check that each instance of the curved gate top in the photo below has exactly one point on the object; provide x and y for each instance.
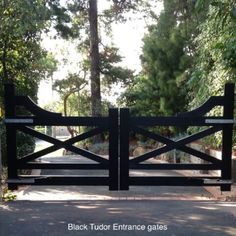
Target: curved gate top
(119, 124)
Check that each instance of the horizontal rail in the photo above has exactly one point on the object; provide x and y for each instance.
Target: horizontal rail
(98, 121)
(62, 180)
(19, 121)
(220, 121)
(177, 121)
(164, 166)
(177, 181)
(65, 166)
(58, 121)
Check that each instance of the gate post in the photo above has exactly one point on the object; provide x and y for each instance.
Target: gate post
(124, 148)
(11, 135)
(228, 113)
(113, 149)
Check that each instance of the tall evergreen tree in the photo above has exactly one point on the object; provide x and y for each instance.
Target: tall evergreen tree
(167, 59)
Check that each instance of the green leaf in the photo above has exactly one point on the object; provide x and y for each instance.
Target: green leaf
(233, 12)
(215, 4)
(199, 5)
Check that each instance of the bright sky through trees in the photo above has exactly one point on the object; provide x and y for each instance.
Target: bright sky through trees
(126, 36)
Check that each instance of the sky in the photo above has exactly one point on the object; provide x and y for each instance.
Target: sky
(126, 36)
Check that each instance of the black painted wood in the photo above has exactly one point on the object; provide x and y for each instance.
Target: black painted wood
(65, 166)
(113, 149)
(11, 135)
(164, 166)
(180, 145)
(118, 177)
(62, 180)
(59, 144)
(30, 105)
(204, 108)
(43, 117)
(124, 148)
(176, 181)
(63, 121)
(228, 113)
(194, 118)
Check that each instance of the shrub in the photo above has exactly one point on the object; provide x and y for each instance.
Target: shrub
(25, 144)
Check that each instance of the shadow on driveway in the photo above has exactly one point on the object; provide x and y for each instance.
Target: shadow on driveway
(179, 217)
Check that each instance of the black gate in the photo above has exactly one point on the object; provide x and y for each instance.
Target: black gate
(41, 117)
(196, 117)
(119, 162)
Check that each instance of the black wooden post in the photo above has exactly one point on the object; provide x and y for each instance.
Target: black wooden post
(124, 148)
(228, 113)
(113, 149)
(11, 135)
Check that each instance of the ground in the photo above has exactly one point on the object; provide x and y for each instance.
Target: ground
(178, 217)
(86, 210)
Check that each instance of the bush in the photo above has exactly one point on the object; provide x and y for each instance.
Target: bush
(99, 148)
(8, 195)
(25, 144)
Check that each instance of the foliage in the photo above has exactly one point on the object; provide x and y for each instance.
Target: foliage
(107, 63)
(74, 83)
(8, 195)
(187, 57)
(216, 57)
(25, 144)
(216, 60)
(99, 148)
(111, 72)
(22, 60)
(167, 58)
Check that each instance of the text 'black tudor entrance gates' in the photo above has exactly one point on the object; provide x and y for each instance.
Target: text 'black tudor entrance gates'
(119, 163)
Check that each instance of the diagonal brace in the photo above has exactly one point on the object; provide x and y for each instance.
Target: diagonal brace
(62, 144)
(180, 145)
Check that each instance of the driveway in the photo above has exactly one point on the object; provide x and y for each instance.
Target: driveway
(87, 211)
(101, 192)
(118, 217)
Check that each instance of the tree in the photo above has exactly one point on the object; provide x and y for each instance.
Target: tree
(216, 60)
(165, 59)
(94, 59)
(216, 57)
(74, 83)
(86, 25)
(168, 56)
(22, 60)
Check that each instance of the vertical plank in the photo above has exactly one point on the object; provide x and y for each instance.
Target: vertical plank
(113, 149)
(124, 148)
(11, 135)
(227, 135)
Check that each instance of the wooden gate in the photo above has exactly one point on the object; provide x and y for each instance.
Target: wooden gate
(196, 117)
(41, 117)
(119, 163)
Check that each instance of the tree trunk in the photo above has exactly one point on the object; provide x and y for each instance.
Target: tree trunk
(70, 130)
(94, 60)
